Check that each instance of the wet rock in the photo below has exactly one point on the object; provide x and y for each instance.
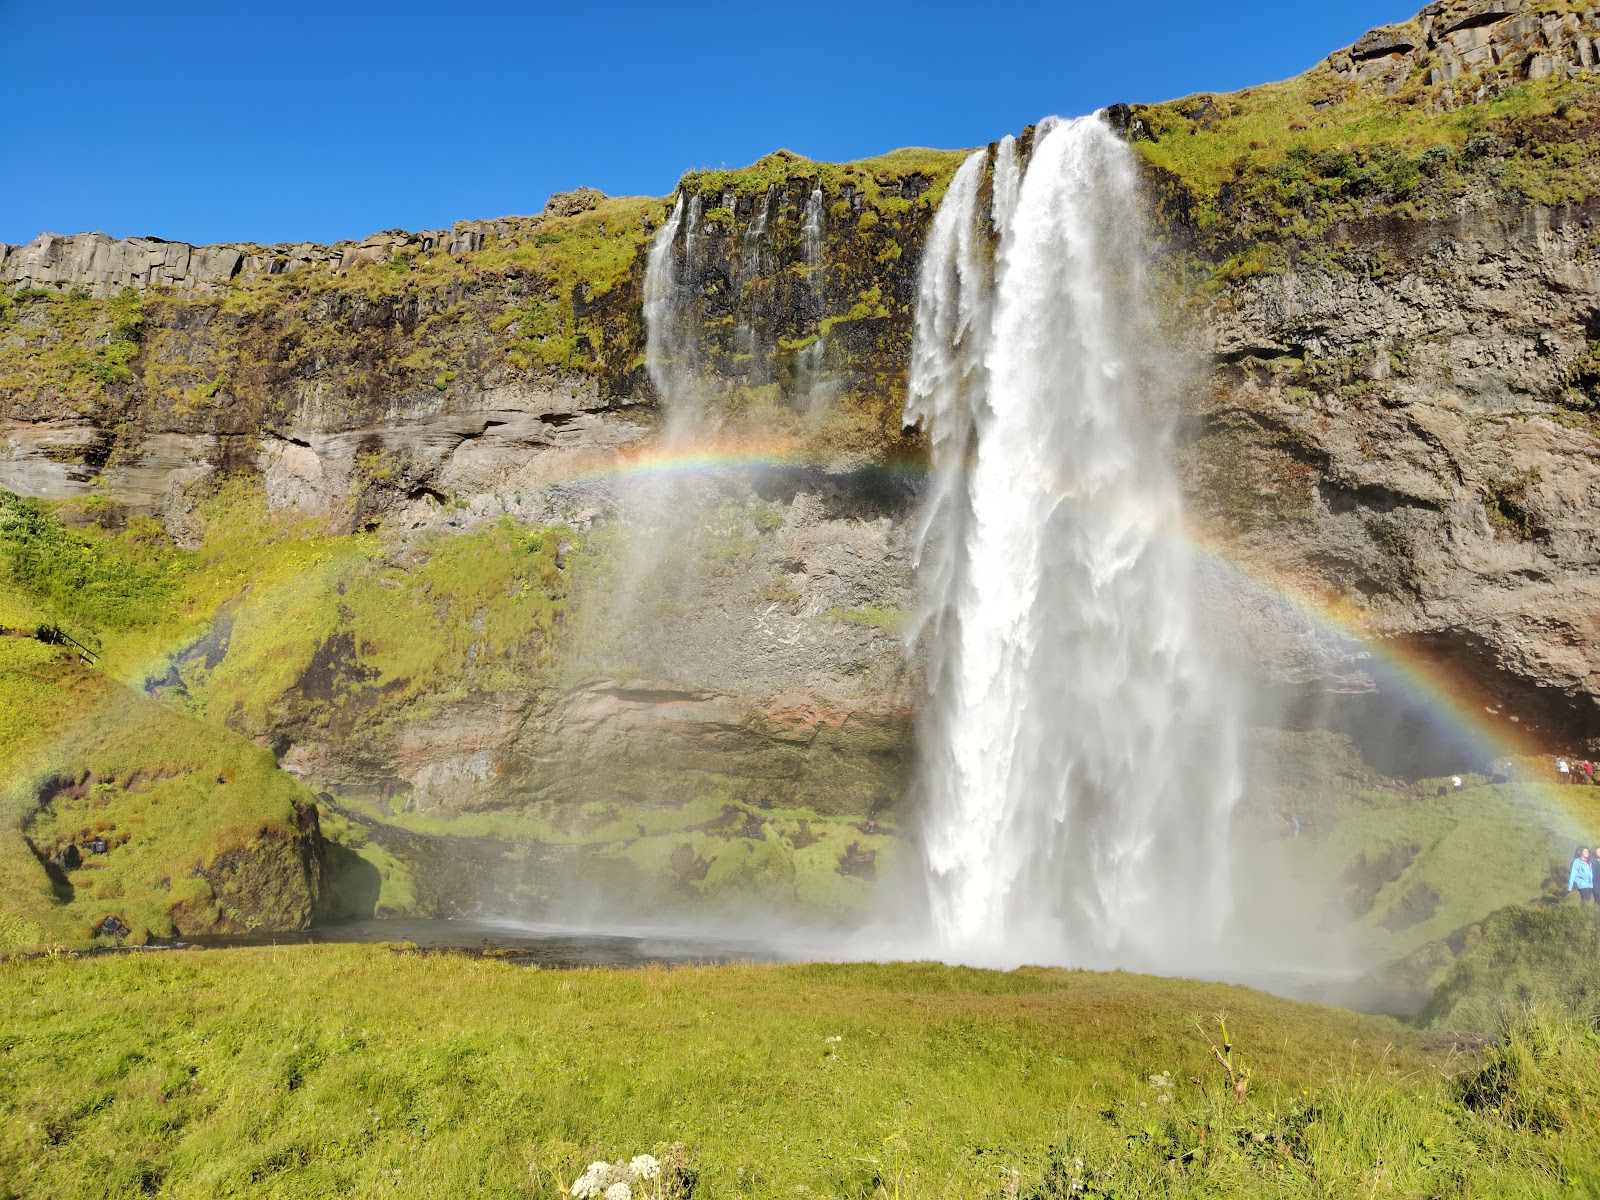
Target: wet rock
(858, 863)
(273, 882)
(111, 927)
(67, 858)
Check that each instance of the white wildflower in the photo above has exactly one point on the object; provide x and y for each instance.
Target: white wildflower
(645, 1166)
(832, 1041)
(618, 1191)
(593, 1182)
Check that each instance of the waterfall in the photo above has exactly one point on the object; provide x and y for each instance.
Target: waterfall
(811, 230)
(1079, 741)
(672, 333)
(753, 255)
(811, 384)
(662, 304)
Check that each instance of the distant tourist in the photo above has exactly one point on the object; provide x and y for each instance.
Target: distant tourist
(1455, 783)
(1588, 772)
(1563, 771)
(1581, 880)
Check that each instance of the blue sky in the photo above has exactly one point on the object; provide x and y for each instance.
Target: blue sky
(323, 119)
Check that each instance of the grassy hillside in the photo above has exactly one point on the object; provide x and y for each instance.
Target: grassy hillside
(1307, 171)
(191, 827)
(1404, 867)
(346, 1071)
(1545, 956)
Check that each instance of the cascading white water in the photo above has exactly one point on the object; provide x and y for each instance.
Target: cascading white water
(755, 251)
(1079, 740)
(812, 383)
(672, 332)
(811, 229)
(662, 304)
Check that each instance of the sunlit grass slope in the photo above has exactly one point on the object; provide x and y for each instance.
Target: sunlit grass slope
(198, 828)
(1317, 174)
(1407, 867)
(365, 1072)
(1521, 955)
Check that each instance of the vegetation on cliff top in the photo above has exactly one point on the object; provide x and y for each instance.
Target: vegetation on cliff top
(554, 298)
(1257, 177)
(882, 181)
(365, 1071)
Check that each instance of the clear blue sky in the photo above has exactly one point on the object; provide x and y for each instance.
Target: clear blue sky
(214, 120)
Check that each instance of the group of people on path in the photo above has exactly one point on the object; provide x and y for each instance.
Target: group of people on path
(1581, 877)
(1571, 772)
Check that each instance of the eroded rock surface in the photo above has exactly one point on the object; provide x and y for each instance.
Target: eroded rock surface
(1405, 443)
(1457, 40)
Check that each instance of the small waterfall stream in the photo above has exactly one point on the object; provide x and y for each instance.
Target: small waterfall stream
(1079, 741)
(811, 380)
(672, 336)
(754, 252)
(694, 368)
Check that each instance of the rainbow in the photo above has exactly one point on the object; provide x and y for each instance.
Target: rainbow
(1424, 684)
(1450, 704)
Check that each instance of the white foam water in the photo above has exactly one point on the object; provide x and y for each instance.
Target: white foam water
(1079, 741)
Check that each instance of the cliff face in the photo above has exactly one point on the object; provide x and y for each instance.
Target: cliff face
(1401, 333)
(1385, 272)
(1411, 444)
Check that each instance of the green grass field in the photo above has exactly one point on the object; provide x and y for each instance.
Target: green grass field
(378, 1072)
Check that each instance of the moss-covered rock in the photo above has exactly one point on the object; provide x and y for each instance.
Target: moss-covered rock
(121, 818)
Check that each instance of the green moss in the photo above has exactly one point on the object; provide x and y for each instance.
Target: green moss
(1286, 162)
(201, 828)
(1582, 390)
(1407, 868)
(361, 877)
(84, 578)
(870, 616)
(1508, 504)
(879, 179)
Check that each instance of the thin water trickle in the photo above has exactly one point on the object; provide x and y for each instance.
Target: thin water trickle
(1079, 742)
(811, 229)
(811, 368)
(754, 255)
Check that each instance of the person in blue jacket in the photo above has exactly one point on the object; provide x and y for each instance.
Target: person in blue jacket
(1582, 878)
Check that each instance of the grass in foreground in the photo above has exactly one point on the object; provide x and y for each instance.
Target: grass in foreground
(365, 1072)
